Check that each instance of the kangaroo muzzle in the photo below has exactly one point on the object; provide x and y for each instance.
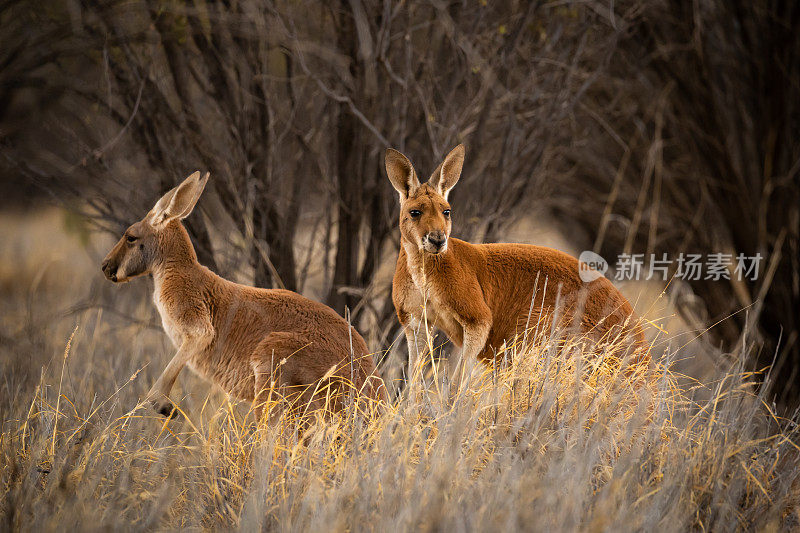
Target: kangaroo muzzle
(435, 242)
(109, 270)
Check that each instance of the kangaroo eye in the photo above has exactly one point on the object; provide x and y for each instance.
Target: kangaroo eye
(446, 213)
(415, 213)
(131, 238)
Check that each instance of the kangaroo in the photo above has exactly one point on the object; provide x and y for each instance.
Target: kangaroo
(480, 295)
(273, 347)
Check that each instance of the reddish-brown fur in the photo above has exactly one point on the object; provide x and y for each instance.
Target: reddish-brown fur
(257, 344)
(480, 295)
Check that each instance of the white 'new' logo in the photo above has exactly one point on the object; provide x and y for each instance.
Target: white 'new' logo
(591, 266)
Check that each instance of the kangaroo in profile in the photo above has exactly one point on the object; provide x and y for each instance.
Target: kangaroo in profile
(484, 295)
(257, 344)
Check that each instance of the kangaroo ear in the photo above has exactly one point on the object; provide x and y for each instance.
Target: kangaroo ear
(446, 175)
(401, 173)
(180, 201)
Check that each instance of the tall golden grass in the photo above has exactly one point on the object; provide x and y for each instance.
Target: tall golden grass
(553, 440)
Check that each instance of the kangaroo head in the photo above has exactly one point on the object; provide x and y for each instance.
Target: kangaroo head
(424, 212)
(147, 242)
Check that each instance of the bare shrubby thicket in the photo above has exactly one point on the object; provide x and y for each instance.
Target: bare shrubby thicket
(648, 126)
(696, 148)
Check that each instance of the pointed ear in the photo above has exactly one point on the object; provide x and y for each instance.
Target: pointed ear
(446, 176)
(401, 173)
(180, 201)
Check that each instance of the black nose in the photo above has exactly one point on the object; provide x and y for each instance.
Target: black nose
(438, 242)
(109, 273)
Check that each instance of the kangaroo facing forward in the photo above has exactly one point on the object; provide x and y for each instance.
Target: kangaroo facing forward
(480, 295)
(269, 346)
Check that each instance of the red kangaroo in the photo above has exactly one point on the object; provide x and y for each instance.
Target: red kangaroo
(480, 295)
(257, 344)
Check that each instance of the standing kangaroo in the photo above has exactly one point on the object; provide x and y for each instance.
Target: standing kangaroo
(480, 295)
(257, 344)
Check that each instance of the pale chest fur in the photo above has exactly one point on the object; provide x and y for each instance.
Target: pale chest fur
(425, 301)
(168, 322)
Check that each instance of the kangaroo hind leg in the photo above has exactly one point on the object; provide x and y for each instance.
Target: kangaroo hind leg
(274, 370)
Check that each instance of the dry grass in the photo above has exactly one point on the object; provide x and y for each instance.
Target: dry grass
(559, 440)
(553, 442)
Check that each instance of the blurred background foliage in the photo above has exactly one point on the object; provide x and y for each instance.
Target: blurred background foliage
(644, 126)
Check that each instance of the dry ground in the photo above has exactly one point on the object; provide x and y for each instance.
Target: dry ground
(557, 442)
